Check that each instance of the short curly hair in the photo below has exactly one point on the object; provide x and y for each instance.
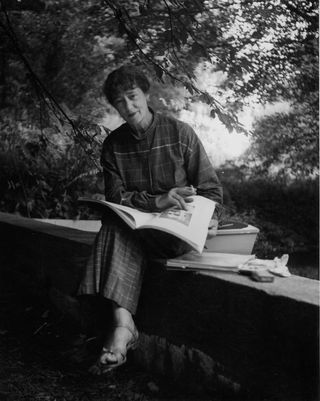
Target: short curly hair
(122, 79)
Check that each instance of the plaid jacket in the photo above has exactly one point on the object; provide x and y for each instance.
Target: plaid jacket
(169, 154)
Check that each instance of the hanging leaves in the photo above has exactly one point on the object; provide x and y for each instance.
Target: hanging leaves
(268, 52)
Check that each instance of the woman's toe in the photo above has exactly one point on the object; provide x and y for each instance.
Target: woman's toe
(108, 357)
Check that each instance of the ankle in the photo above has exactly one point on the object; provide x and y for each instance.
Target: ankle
(121, 316)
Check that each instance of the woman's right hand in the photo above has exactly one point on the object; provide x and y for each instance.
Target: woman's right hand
(178, 197)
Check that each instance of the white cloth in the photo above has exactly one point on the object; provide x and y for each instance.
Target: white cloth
(277, 266)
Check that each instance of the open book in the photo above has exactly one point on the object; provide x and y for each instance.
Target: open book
(213, 261)
(189, 225)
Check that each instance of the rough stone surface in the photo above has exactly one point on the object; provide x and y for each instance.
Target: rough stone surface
(183, 365)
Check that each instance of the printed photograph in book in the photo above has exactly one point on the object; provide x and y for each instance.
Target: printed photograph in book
(182, 216)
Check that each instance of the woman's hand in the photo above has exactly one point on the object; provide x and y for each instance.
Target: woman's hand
(178, 197)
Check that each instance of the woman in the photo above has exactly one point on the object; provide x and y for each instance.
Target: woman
(151, 162)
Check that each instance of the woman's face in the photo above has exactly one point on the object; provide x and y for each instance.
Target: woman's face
(133, 107)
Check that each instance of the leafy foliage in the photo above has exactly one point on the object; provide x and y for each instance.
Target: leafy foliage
(272, 46)
(266, 51)
(286, 214)
(286, 144)
(42, 173)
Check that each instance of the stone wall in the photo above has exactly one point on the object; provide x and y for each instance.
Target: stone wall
(215, 329)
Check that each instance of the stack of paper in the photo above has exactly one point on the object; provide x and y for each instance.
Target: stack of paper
(213, 261)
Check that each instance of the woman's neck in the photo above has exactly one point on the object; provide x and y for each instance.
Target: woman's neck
(143, 125)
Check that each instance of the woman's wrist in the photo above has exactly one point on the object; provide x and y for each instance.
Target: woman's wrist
(160, 201)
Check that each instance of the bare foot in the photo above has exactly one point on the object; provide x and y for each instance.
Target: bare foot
(123, 337)
(114, 352)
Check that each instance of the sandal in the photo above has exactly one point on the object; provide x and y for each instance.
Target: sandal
(120, 355)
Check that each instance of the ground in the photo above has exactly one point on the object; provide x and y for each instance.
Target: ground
(40, 360)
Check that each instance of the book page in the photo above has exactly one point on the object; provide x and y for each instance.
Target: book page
(133, 217)
(190, 225)
(210, 260)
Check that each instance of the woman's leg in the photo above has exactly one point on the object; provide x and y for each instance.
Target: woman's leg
(116, 264)
(114, 271)
(159, 244)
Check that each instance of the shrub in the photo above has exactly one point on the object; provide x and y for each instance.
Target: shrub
(43, 172)
(286, 214)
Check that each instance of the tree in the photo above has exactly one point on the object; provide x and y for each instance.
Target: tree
(266, 49)
(288, 143)
(55, 54)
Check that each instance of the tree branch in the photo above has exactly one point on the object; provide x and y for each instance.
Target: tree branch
(47, 97)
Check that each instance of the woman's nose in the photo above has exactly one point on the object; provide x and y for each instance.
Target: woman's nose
(128, 105)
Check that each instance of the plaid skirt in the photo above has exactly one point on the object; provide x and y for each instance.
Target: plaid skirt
(119, 257)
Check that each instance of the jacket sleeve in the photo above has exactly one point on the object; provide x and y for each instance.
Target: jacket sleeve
(115, 190)
(201, 173)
